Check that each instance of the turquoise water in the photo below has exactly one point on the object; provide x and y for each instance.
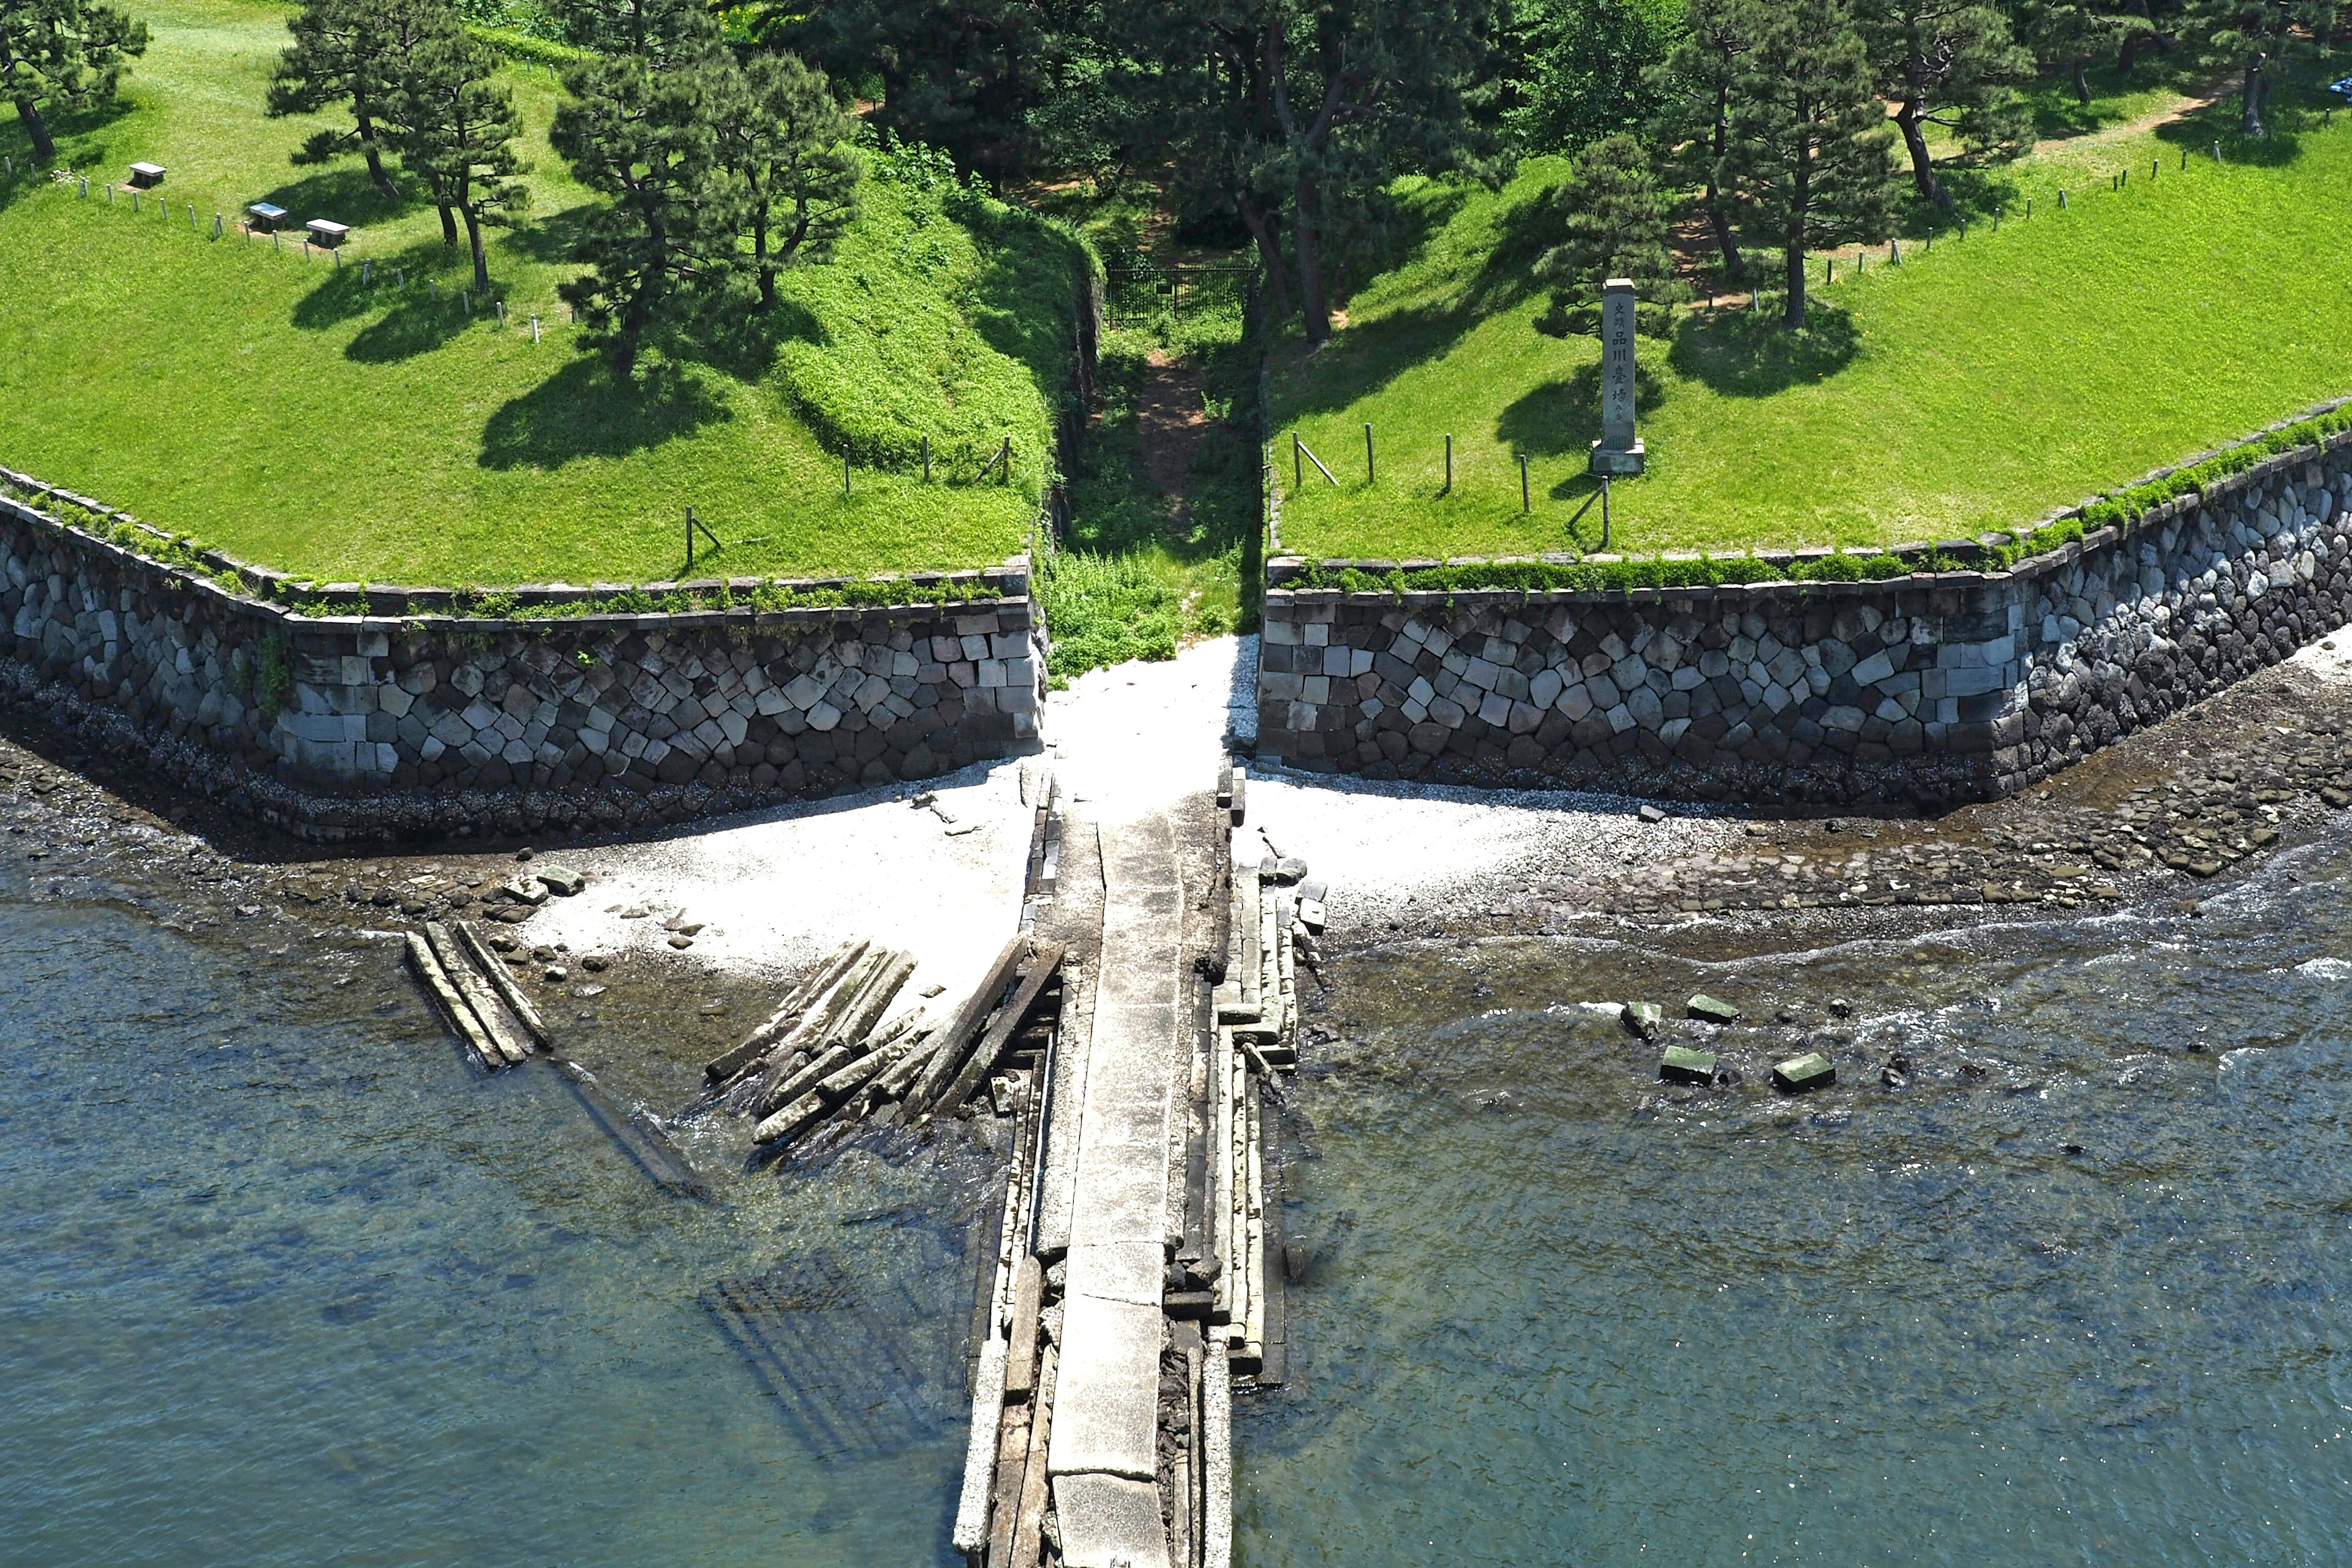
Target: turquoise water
(2077, 1294)
(283, 1281)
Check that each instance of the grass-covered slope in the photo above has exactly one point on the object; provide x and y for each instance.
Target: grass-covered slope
(1976, 386)
(292, 414)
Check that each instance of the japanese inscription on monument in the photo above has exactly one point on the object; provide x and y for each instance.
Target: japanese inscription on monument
(1619, 451)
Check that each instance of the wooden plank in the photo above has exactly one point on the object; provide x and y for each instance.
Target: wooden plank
(502, 981)
(753, 1093)
(969, 1018)
(813, 985)
(452, 1006)
(1272, 1277)
(1028, 1525)
(977, 1066)
(1020, 1355)
(477, 993)
(1004, 1496)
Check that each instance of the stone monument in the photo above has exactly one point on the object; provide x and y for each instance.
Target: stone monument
(1619, 453)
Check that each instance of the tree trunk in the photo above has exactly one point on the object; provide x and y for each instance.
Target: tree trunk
(760, 257)
(448, 224)
(375, 155)
(474, 239)
(1923, 166)
(43, 147)
(1308, 243)
(1269, 252)
(1717, 218)
(2082, 84)
(2252, 95)
(1800, 201)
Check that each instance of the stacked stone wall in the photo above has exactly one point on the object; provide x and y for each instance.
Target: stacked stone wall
(1923, 690)
(391, 726)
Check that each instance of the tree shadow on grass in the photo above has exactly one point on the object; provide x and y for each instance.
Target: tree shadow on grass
(1749, 353)
(342, 193)
(1367, 357)
(1563, 418)
(585, 410)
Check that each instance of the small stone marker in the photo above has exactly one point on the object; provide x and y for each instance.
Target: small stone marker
(1645, 1018)
(1712, 1009)
(1619, 452)
(1798, 1074)
(1683, 1064)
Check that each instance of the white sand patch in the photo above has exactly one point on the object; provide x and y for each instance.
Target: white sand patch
(1136, 738)
(2329, 658)
(774, 890)
(1382, 845)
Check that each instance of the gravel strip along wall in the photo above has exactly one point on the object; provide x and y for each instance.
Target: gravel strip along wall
(1927, 690)
(407, 722)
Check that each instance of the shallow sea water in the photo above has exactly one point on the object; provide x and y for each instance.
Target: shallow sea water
(2077, 1294)
(283, 1281)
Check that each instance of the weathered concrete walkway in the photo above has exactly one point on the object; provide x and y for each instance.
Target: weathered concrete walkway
(1105, 1453)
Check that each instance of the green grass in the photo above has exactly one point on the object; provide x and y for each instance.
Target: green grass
(285, 413)
(1977, 386)
(1140, 575)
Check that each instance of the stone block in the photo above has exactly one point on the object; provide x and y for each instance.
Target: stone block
(1683, 1064)
(1644, 1018)
(1107, 1522)
(1711, 1009)
(1798, 1074)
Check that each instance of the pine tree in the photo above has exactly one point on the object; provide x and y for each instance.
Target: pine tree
(787, 142)
(2255, 39)
(67, 54)
(1692, 90)
(1614, 223)
(348, 53)
(1319, 104)
(2070, 34)
(664, 32)
(663, 250)
(456, 132)
(1950, 63)
(1811, 156)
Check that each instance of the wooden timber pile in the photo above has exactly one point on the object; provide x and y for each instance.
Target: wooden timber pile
(1275, 922)
(476, 996)
(832, 1052)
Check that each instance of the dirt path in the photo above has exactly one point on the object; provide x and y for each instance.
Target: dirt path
(1170, 424)
(2206, 98)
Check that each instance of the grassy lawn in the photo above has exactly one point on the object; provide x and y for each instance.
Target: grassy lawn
(285, 411)
(1977, 386)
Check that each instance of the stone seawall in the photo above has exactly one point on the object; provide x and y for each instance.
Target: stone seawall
(396, 725)
(1923, 690)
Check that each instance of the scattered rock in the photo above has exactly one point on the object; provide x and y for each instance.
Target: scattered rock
(555, 974)
(1799, 1074)
(587, 993)
(682, 943)
(502, 942)
(1650, 813)
(525, 891)
(1839, 1007)
(1683, 1064)
(1645, 1018)
(1712, 1009)
(595, 964)
(561, 880)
